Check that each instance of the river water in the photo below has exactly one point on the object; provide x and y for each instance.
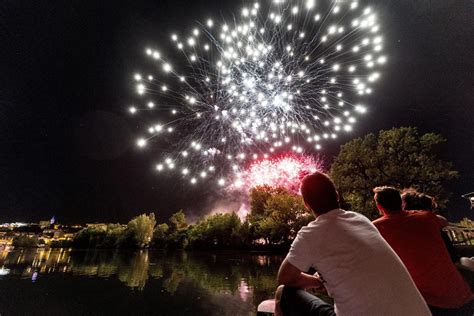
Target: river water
(146, 282)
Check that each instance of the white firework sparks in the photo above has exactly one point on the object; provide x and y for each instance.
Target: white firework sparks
(284, 76)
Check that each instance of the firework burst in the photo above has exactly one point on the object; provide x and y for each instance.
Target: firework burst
(284, 76)
(285, 171)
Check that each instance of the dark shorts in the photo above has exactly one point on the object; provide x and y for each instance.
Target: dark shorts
(299, 302)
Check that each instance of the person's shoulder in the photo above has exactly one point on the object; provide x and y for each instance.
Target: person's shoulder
(379, 221)
(443, 221)
(351, 214)
(318, 226)
(357, 216)
(422, 215)
(427, 218)
(311, 232)
(356, 219)
(312, 226)
(430, 217)
(341, 215)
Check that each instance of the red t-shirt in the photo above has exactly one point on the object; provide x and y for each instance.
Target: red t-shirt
(416, 238)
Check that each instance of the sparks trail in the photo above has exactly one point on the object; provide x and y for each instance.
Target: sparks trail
(284, 77)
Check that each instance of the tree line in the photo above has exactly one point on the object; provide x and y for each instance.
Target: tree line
(275, 216)
(400, 157)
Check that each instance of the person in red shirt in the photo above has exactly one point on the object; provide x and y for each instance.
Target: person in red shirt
(412, 200)
(415, 237)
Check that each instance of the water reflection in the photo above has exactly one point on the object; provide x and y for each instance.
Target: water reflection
(237, 277)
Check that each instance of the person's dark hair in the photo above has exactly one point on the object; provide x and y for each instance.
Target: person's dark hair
(414, 200)
(319, 193)
(389, 198)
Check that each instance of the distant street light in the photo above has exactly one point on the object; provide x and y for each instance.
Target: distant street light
(470, 198)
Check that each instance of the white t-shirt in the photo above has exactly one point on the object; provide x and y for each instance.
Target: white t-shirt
(360, 270)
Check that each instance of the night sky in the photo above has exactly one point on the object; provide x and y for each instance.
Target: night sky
(67, 143)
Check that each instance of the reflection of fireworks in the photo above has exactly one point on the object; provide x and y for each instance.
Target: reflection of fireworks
(286, 172)
(284, 77)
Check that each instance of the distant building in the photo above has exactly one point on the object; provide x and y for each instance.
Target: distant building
(470, 198)
(53, 233)
(48, 223)
(44, 224)
(56, 234)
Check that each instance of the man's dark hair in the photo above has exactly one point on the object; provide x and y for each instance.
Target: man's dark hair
(414, 200)
(389, 198)
(319, 193)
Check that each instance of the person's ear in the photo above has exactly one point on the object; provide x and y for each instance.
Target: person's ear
(306, 205)
(309, 208)
(380, 208)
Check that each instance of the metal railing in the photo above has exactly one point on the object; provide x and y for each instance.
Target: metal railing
(460, 235)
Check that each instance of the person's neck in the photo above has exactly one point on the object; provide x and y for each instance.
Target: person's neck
(316, 215)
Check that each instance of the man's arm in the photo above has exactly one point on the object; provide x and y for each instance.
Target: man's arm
(290, 275)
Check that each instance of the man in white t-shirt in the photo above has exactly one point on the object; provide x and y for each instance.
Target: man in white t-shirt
(355, 265)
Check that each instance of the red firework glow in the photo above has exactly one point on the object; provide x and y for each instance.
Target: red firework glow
(286, 172)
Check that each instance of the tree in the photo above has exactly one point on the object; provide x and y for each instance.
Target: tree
(112, 236)
(159, 235)
(245, 233)
(89, 237)
(276, 215)
(177, 236)
(99, 237)
(198, 235)
(258, 198)
(219, 230)
(285, 214)
(399, 157)
(178, 221)
(140, 230)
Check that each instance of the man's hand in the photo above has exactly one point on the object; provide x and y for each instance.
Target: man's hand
(290, 275)
(321, 288)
